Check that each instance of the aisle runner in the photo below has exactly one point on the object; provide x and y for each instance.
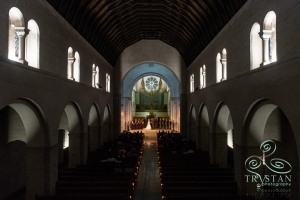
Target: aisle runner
(148, 182)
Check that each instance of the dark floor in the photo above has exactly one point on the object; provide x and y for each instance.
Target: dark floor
(148, 182)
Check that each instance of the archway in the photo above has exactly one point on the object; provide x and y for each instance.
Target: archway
(222, 148)
(203, 129)
(265, 122)
(22, 150)
(95, 139)
(150, 69)
(70, 137)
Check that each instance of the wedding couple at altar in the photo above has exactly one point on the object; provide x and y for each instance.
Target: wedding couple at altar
(149, 125)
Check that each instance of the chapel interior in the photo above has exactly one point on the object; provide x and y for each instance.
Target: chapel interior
(149, 99)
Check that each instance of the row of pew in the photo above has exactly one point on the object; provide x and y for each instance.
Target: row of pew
(191, 176)
(99, 178)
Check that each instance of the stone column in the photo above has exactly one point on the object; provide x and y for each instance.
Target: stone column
(74, 149)
(266, 34)
(94, 138)
(94, 79)
(22, 33)
(51, 171)
(35, 171)
(71, 68)
(224, 68)
(183, 112)
(221, 149)
(203, 78)
(203, 138)
(61, 138)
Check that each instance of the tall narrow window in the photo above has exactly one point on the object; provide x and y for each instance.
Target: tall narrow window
(202, 77)
(269, 38)
(33, 44)
(77, 67)
(192, 87)
(107, 82)
(218, 68)
(95, 82)
(255, 47)
(17, 34)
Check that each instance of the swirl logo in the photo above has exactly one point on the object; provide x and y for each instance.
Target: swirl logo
(276, 165)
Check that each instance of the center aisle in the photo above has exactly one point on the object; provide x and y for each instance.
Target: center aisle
(148, 182)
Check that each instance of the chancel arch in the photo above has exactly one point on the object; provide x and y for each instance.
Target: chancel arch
(266, 121)
(161, 74)
(22, 150)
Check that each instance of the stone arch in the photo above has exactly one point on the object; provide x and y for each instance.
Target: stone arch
(107, 125)
(192, 129)
(71, 129)
(94, 128)
(24, 136)
(203, 129)
(266, 121)
(137, 73)
(16, 24)
(222, 129)
(33, 44)
(255, 47)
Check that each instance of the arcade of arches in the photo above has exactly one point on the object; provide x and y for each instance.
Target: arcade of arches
(61, 99)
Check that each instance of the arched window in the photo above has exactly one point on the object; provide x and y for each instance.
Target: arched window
(77, 67)
(33, 44)
(192, 87)
(218, 68)
(255, 47)
(17, 34)
(71, 60)
(107, 82)
(95, 82)
(269, 38)
(203, 76)
(224, 64)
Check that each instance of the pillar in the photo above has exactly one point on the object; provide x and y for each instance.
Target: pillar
(22, 33)
(221, 149)
(35, 171)
(74, 149)
(71, 68)
(224, 69)
(266, 34)
(94, 138)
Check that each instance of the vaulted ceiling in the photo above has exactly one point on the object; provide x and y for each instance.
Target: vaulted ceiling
(110, 26)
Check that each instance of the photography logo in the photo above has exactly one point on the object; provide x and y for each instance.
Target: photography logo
(277, 179)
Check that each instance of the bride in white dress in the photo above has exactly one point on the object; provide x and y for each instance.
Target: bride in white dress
(148, 125)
